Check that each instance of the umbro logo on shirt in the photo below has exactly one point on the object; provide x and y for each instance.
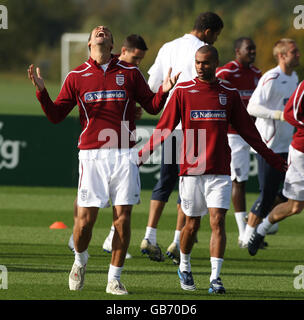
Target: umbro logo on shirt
(87, 74)
(193, 91)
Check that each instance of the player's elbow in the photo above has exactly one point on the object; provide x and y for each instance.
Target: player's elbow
(54, 119)
(251, 110)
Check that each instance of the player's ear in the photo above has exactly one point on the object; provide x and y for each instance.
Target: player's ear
(123, 50)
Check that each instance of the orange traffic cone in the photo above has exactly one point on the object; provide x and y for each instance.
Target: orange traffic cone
(58, 225)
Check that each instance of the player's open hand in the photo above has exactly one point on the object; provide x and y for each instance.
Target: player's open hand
(169, 81)
(35, 77)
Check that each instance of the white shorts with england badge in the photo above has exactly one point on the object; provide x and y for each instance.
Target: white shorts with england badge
(294, 178)
(108, 174)
(240, 158)
(198, 193)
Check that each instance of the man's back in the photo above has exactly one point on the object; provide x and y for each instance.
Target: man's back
(273, 91)
(179, 55)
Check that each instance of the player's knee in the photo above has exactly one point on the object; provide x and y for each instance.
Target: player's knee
(122, 221)
(217, 222)
(297, 208)
(192, 225)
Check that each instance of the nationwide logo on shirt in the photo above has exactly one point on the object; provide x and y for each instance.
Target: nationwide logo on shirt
(208, 115)
(106, 95)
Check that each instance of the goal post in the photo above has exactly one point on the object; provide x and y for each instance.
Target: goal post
(66, 40)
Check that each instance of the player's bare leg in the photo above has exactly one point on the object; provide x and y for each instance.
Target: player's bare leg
(148, 244)
(82, 232)
(218, 232)
(181, 218)
(217, 248)
(71, 240)
(156, 209)
(120, 244)
(75, 210)
(279, 213)
(122, 234)
(188, 233)
(253, 220)
(173, 251)
(238, 195)
(285, 209)
(187, 238)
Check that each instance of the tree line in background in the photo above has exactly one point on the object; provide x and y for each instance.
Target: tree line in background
(35, 27)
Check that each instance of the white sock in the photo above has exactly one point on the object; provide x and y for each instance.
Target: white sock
(248, 233)
(114, 273)
(264, 227)
(176, 237)
(111, 233)
(81, 258)
(240, 221)
(216, 265)
(71, 242)
(185, 264)
(151, 235)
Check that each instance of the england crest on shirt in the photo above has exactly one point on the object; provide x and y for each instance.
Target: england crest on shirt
(120, 79)
(222, 99)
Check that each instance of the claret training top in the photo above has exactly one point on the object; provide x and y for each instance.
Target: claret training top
(294, 114)
(106, 101)
(206, 110)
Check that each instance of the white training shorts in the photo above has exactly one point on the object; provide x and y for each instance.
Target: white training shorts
(198, 193)
(108, 174)
(240, 157)
(294, 178)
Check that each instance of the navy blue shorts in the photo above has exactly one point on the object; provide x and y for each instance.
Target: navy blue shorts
(270, 185)
(168, 177)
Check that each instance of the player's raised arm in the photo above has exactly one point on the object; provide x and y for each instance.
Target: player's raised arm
(36, 78)
(65, 102)
(169, 81)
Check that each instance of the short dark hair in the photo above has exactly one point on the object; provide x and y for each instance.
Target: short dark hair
(209, 48)
(208, 20)
(238, 42)
(135, 41)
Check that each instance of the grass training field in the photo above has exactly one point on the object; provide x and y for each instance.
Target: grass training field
(39, 261)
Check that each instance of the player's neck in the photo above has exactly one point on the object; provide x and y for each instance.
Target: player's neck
(197, 34)
(287, 70)
(100, 56)
(243, 63)
(209, 81)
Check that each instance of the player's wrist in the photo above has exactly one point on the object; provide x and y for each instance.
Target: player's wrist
(278, 115)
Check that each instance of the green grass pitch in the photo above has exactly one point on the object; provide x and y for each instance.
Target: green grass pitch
(39, 261)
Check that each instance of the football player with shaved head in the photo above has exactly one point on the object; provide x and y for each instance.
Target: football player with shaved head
(206, 106)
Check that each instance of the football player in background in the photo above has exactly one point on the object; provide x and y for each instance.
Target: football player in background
(244, 76)
(267, 104)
